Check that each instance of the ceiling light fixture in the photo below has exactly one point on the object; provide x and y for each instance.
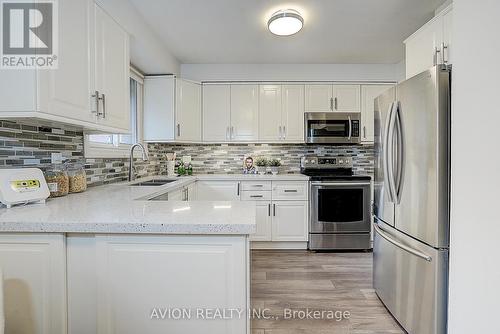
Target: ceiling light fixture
(285, 22)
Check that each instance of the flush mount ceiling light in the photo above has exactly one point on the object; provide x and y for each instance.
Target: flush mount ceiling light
(285, 22)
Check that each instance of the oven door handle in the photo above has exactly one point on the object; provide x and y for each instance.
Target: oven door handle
(321, 184)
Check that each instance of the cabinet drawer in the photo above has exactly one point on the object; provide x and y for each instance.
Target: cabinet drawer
(290, 190)
(256, 195)
(255, 185)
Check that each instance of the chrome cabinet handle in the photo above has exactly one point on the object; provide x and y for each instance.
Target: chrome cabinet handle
(444, 48)
(96, 97)
(398, 244)
(227, 132)
(274, 210)
(281, 133)
(336, 107)
(331, 103)
(178, 130)
(232, 132)
(364, 131)
(284, 132)
(238, 189)
(103, 98)
(269, 210)
(256, 196)
(257, 185)
(290, 190)
(437, 54)
(350, 127)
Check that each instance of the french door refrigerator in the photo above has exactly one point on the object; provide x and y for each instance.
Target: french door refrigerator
(412, 200)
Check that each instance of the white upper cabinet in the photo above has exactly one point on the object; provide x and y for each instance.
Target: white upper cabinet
(93, 55)
(66, 91)
(319, 98)
(188, 111)
(112, 76)
(216, 113)
(172, 109)
(368, 95)
(270, 125)
(346, 98)
(244, 112)
(292, 114)
(430, 45)
(325, 98)
(159, 108)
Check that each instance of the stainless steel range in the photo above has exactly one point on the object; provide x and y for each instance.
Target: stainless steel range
(339, 204)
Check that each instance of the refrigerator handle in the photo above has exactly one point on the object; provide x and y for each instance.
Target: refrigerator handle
(385, 157)
(401, 151)
(401, 245)
(390, 152)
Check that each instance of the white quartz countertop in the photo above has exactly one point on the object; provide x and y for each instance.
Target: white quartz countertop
(120, 208)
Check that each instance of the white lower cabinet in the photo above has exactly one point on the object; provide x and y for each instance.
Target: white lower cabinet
(290, 220)
(34, 273)
(218, 190)
(282, 213)
(264, 222)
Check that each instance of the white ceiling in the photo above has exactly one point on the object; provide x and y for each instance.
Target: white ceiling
(335, 31)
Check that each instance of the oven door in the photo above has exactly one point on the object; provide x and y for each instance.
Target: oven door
(340, 128)
(340, 207)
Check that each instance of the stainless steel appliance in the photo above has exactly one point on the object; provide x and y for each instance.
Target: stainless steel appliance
(332, 127)
(339, 204)
(411, 204)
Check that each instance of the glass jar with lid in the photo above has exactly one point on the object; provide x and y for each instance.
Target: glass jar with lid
(57, 180)
(77, 177)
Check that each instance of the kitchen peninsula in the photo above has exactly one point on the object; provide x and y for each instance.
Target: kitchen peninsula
(101, 261)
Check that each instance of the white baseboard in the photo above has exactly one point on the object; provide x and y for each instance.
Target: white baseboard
(278, 245)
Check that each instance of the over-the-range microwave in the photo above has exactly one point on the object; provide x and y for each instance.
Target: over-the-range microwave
(332, 128)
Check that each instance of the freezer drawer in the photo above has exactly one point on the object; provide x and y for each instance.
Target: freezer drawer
(412, 287)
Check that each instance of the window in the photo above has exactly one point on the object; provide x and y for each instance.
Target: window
(118, 145)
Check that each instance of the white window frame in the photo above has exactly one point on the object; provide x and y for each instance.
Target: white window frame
(116, 149)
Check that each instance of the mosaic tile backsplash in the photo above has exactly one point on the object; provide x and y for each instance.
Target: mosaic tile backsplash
(30, 145)
(228, 158)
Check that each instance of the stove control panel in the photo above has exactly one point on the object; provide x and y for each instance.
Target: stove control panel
(313, 161)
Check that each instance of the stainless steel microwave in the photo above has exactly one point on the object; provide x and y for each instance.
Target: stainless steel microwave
(332, 127)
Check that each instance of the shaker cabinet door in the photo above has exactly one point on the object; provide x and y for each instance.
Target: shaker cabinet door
(216, 112)
(112, 71)
(292, 115)
(290, 220)
(319, 98)
(244, 112)
(346, 98)
(270, 126)
(263, 221)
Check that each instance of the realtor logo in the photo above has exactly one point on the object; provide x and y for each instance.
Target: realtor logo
(29, 34)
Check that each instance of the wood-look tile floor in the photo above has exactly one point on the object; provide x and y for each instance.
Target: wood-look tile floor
(297, 280)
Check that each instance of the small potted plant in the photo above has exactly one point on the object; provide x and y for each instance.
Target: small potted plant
(275, 165)
(261, 165)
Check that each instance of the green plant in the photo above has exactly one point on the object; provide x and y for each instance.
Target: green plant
(261, 162)
(274, 163)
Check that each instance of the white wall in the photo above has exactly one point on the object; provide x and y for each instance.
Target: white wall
(475, 223)
(147, 52)
(292, 72)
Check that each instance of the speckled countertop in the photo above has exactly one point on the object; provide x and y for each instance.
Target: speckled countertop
(120, 208)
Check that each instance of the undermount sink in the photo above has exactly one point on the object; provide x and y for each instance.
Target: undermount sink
(153, 183)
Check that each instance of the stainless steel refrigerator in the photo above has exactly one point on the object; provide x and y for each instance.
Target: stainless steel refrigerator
(412, 200)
